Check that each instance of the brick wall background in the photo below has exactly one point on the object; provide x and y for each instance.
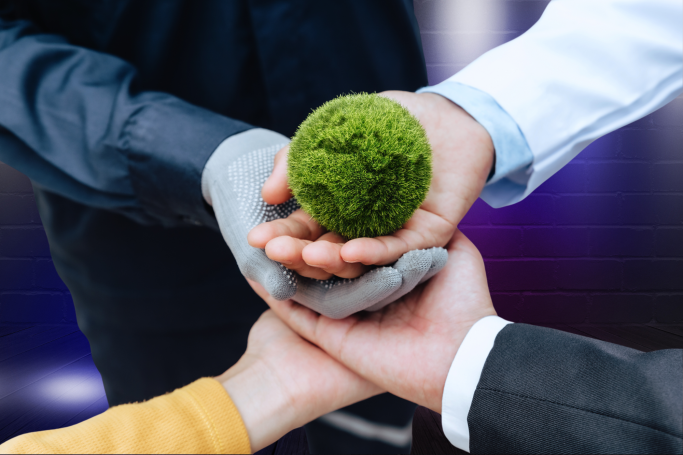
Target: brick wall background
(30, 290)
(600, 242)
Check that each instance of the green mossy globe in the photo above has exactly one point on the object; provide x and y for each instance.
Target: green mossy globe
(360, 165)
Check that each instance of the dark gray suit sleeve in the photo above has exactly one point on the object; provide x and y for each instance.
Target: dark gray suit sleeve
(75, 121)
(546, 391)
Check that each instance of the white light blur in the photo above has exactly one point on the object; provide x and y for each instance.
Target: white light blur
(480, 24)
(73, 388)
(456, 32)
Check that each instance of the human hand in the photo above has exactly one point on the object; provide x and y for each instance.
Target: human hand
(283, 382)
(462, 157)
(231, 183)
(408, 347)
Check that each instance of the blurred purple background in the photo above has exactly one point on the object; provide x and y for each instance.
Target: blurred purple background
(31, 292)
(600, 242)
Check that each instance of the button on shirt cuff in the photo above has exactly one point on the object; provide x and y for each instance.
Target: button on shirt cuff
(513, 155)
(463, 378)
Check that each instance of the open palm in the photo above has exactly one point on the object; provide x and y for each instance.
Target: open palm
(408, 347)
(462, 156)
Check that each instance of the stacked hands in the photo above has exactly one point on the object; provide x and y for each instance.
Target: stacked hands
(405, 348)
(283, 381)
(424, 286)
(462, 157)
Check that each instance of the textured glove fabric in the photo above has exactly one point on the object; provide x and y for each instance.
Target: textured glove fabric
(415, 267)
(232, 182)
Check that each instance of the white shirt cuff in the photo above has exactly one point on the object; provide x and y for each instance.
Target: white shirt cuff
(463, 378)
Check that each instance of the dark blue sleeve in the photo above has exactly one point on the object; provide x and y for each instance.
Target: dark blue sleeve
(72, 120)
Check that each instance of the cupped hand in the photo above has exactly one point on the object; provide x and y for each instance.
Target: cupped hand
(299, 243)
(283, 382)
(406, 348)
(462, 157)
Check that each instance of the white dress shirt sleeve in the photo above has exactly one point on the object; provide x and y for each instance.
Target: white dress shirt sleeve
(513, 156)
(463, 377)
(586, 68)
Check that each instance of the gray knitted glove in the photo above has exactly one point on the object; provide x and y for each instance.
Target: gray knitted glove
(231, 183)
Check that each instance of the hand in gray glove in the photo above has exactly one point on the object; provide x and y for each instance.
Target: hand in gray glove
(231, 183)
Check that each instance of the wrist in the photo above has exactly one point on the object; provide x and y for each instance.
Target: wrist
(513, 156)
(463, 154)
(266, 410)
(482, 143)
(464, 376)
(457, 342)
(217, 166)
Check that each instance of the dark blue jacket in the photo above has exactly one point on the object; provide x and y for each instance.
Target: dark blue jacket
(112, 108)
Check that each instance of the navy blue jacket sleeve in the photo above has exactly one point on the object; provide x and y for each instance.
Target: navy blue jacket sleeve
(72, 120)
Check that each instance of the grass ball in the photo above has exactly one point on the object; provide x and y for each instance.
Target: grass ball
(360, 165)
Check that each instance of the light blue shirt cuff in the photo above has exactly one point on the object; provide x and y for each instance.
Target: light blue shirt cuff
(513, 155)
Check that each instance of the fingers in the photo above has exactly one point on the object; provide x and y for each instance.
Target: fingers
(260, 290)
(299, 243)
(288, 251)
(413, 266)
(319, 260)
(276, 190)
(325, 253)
(439, 261)
(423, 230)
(340, 298)
(298, 225)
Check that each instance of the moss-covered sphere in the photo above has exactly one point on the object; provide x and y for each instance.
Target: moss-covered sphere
(360, 165)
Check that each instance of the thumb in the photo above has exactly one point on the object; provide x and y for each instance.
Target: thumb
(276, 190)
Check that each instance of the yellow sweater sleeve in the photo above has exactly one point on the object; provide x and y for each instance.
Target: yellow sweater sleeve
(198, 418)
